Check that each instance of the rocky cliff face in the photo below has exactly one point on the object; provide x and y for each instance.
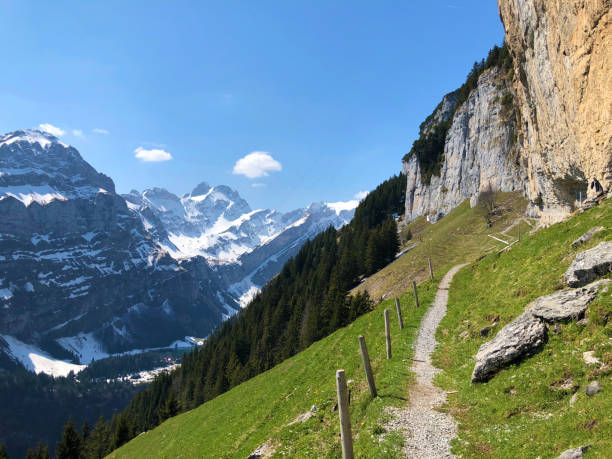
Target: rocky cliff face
(563, 84)
(87, 271)
(554, 140)
(479, 152)
(78, 268)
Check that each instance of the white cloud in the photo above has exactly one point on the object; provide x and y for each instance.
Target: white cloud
(258, 185)
(361, 194)
(100, 131)
(257, 164)
(77, 133)
(152, 156)
(53, 130)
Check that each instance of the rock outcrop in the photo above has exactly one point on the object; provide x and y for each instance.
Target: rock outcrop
(527, 333)
(586, 237)
(574, 453)
(565, 304)
(478, 153)
(563, 88)
(589, 265)
(554, 140)
(522, 337)
(78, 270)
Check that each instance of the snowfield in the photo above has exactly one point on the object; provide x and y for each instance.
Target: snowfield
(38, 361)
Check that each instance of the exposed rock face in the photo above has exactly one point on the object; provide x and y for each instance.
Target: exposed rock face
(527, 333)
(565, 304)
(478, 153)
(85, 270)
(520, 338)
(589, 265)
(78, 268)
(586, 237)
(574, 453)
(563, 88)
(557, 145)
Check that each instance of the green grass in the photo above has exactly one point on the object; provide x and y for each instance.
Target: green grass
(237, 422)
(460, 236)
(524, 410)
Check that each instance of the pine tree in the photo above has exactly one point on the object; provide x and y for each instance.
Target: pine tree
(3, 453)
(85, 431)
(41, 452)
(170, 408)
(122, 432)
(98, 442)
(71, 444)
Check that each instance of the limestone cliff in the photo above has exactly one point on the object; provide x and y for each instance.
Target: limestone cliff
(563, 84)
(544, 128)
(479, 152)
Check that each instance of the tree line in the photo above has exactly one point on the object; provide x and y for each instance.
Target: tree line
(306, 301)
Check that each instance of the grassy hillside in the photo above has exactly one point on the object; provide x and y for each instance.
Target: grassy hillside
(460, 236)
(522, 412)
(525, 410)
(257, 411)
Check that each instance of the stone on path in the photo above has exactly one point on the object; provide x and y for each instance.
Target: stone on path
(589, 265)
(586, 237)
(520, 338)
(565, 304)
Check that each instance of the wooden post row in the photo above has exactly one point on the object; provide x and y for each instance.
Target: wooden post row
(387, 334)
(367, 367)
(416, 294)
(345, 416)
(399, 313)
(430, 269)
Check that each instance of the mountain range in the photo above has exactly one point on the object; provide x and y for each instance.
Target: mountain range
(86, 272)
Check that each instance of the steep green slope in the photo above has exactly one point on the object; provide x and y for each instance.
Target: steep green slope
(460, 236)
(236, 422)
(524, 411)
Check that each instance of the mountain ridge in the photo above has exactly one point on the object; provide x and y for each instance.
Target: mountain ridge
(67, 238)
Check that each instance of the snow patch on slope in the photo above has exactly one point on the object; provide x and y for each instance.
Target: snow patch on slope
(38, 361)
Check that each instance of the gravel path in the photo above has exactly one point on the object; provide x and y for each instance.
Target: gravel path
(427, 432)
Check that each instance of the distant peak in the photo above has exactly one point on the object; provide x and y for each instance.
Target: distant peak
(200, 189)
(31, 136)
(343, 205)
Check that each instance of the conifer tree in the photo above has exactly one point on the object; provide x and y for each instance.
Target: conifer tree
(71, 444)
(41, 452)
(97, 444)
(3, 453)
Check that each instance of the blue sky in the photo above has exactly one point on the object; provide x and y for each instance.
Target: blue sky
(330, 93)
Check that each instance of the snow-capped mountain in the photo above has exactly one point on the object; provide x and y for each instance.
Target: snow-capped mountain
(88, 272)
(78, 270)
(218, 224)
(245, 247)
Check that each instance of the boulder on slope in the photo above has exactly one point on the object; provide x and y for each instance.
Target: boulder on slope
(589, 265)
(524, 336)
(565, 304)
(520, 338)
(586, 237)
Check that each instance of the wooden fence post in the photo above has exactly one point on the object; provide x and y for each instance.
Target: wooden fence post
(430, 269)
(399, 313)
(367, 367)
(387, 334)
(345, 416)
(416, 295)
